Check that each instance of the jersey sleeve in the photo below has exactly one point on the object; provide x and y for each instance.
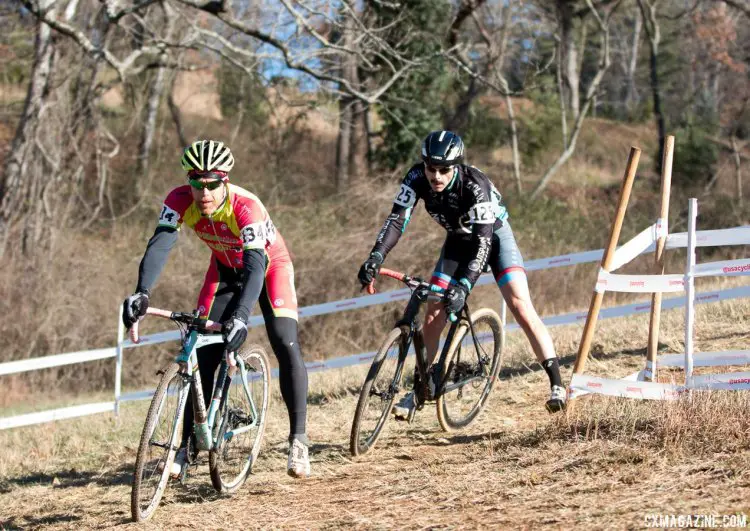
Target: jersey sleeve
(174, 207)
(396, 222)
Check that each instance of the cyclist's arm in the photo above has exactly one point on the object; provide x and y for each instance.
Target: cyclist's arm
(254, 265)
(164, 238)
(155, 257)
(396, 222)
(479, 250)
(255, 228)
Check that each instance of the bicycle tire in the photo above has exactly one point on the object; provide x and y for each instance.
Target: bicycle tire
(469, 375)
(231, 461)
(145, 467)
(394, 338)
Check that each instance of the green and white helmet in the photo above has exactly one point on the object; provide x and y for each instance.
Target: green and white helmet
(207, 155)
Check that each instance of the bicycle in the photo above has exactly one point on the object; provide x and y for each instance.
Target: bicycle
(231, 430)
(463, 376)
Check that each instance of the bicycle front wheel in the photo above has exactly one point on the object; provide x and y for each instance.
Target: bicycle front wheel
(159, 443)
(242, 422)
(470, 369)
(381, 386)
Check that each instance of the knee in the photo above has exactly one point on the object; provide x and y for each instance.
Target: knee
(434, 315)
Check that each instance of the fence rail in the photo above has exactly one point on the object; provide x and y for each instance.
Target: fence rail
(733, 236)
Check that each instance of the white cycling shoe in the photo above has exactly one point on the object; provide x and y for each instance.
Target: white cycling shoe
(405, 408)
(557, 399)
(298, 461)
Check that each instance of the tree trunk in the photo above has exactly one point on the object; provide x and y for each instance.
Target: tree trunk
(648, 11)
(344, 144)
(149, 124)
(19, 185)
(737, 169)
(154, 98)
(346, 110)
(602, 67)
(569, 56)
(514, 144)
(630, 88)
(561, 92)
(174, 110)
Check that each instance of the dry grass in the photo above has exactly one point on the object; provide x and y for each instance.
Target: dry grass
(607, 465)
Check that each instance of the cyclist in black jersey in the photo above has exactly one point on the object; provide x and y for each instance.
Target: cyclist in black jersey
(468, 206)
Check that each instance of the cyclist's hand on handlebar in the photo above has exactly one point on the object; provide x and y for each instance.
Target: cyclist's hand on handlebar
(134, 308)
(370, 268)
(234, 332)
(455, 298)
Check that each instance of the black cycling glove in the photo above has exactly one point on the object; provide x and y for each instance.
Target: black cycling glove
(134, 308)
(370, 268)
(234, 332)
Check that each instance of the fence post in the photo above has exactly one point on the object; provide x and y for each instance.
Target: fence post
(118, 360)
(690, 292)
(655, 317)
(614, 236)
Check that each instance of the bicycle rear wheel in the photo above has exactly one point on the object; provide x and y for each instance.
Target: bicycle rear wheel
(470, 369)
(381, 386)
(159, 443)
(241, 423)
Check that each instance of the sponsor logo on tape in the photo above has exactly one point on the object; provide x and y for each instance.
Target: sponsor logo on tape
(736, 269)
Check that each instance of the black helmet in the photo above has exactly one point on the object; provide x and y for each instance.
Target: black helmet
(442, 148)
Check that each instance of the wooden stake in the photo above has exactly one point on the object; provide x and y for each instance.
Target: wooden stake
(614, 236)
(655, 319)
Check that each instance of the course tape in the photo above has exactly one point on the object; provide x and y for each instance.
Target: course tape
(712, 238)
(639, 283)
(706, 359)
(726, 382)
(628, 251)
(583, 384)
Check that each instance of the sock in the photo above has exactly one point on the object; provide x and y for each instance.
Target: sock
(301, 437)
(552, 368)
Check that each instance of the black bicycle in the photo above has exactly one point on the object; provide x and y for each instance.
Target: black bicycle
(462, 378)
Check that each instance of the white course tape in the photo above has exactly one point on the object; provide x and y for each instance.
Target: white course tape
(639, 283)
(727, 268)
(706, 359)
(56, 360)
(712, 238)
(55, 414)
(565, 260)
(635, 247)
(623, 388)
(729, 382)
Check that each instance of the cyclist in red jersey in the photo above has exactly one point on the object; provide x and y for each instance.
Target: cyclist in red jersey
(250, 262)
(467, 205)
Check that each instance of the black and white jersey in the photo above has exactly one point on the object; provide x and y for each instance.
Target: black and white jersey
(469, 206)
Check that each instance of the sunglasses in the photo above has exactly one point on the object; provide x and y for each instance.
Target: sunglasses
(442, 171)
(200, 185)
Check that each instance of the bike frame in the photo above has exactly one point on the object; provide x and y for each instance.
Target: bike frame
(203, 420)
(421, 295)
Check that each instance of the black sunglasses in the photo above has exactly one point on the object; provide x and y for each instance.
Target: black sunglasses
(441, 170)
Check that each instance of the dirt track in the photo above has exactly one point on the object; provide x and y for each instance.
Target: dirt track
(517, 466)
(504, 471)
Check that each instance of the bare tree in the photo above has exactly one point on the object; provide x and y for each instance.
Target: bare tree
(20, 186)
(603, 65)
